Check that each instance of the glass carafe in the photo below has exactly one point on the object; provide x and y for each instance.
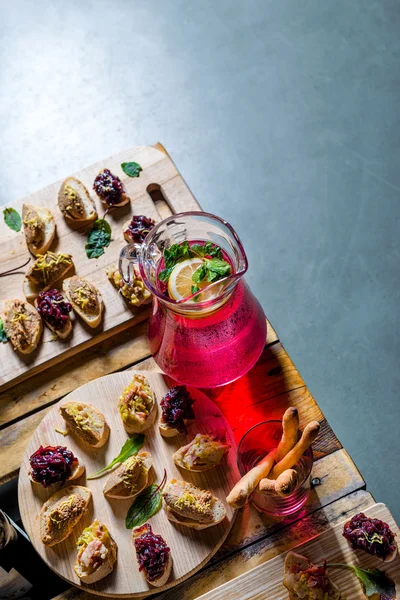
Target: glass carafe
(207, 340)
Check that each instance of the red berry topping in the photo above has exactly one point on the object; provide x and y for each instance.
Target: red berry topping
(372, 535)
(138, 228)
(51, 464)
(152, 553)
(53, 308)
(177, 406)
(108, 187)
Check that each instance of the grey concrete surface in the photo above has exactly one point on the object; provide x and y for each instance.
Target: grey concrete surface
(283, 116)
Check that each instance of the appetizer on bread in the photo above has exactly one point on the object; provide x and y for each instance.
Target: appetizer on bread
(62, 511)
(39, 228)
(371, 535)
(85, 298)
(110, 189)
(136, 229)
(45, 271)
(97, 553)
(85, 422)
(153, 555)
(137, 405)
(23, 325)
(177, 410)
(188, 505)
(135, 292)
(202, 454)
(74, 201)
(304, 580)
(54, 310)
(130, 478)
(54, 464)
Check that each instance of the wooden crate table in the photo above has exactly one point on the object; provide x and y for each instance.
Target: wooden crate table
(272, 385)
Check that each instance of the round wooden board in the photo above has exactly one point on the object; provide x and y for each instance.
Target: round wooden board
(190, 549)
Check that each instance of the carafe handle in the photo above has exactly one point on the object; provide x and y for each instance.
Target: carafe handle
(129, 262)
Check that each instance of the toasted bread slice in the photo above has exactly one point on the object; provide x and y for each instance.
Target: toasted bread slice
(61, 513)
(188, 505)
(202, 454)
(39, 228)
(85, 298)
(75, 202)
(78, 469)
(96, 542)
(137, 405)
(295, 566)
(165, 430)
(45, 271)
(86, 422)
(130, 478)
(138, 532)
(23, 325)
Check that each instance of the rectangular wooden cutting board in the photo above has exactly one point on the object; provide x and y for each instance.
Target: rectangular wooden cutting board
(265, 581)
(159, 172)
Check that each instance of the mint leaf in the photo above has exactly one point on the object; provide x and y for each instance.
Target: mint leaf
(3, 334)
(207, 249)
(132, 169)
(373, 581)
(200, 273)
(173, 255)
(145, 506)
(219, 266)
(99, 238)
(195, 288)
(131, 446)
(12, 219)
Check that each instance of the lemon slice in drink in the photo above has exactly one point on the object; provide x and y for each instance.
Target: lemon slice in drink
(180, 281)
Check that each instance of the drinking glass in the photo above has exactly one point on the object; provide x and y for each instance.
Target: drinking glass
(253, 446)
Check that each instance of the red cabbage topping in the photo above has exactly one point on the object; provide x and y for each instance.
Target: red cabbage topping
(177, 406)
(53, 308)
(139, 227)
(372, 535)
(108, 187)
(152, 553)
(51, 464)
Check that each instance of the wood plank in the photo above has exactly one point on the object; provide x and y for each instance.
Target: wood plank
(158, 170)
(190, 549)
(266, 579)
(116, 353)
(274, 367)
(223, 569)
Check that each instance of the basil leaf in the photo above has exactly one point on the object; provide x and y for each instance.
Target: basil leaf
(145, 506)
(132, 169)
(3, 334)
(99, 238)
(12, 219)
(131, 446)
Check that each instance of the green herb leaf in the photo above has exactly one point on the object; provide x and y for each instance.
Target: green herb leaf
(145, 506)
(207, 249)
(373, 581)
(214, 269)
(131, 446)
(3, 334)
(195, 288)
(200, 273)
(99, 238)
(132, 169)
(172, 256)
(12, 219)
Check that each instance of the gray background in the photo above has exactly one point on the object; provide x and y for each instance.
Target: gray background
(283, 117)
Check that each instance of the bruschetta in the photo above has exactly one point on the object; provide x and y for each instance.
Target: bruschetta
(62, 511)
(307, 581)
(39, 228)
(75, 202)
(137, 405)
(176, 411)
(54, 464)
(45, 271)
(186, 504)
(110, 189)
(85, 422)
(85, 298)
(23, 325)
(97, 553)
(54, 310)
(130, 478)
(153, 555)
(202, 454)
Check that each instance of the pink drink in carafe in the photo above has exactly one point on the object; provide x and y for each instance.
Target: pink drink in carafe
(203, 343)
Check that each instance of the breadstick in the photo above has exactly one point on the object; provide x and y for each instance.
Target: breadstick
(286, 482)
(245, 486)
(290, 436)
(308, 436)
(266, 485)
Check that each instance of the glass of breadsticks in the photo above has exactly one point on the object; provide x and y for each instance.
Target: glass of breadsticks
(275, 460)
